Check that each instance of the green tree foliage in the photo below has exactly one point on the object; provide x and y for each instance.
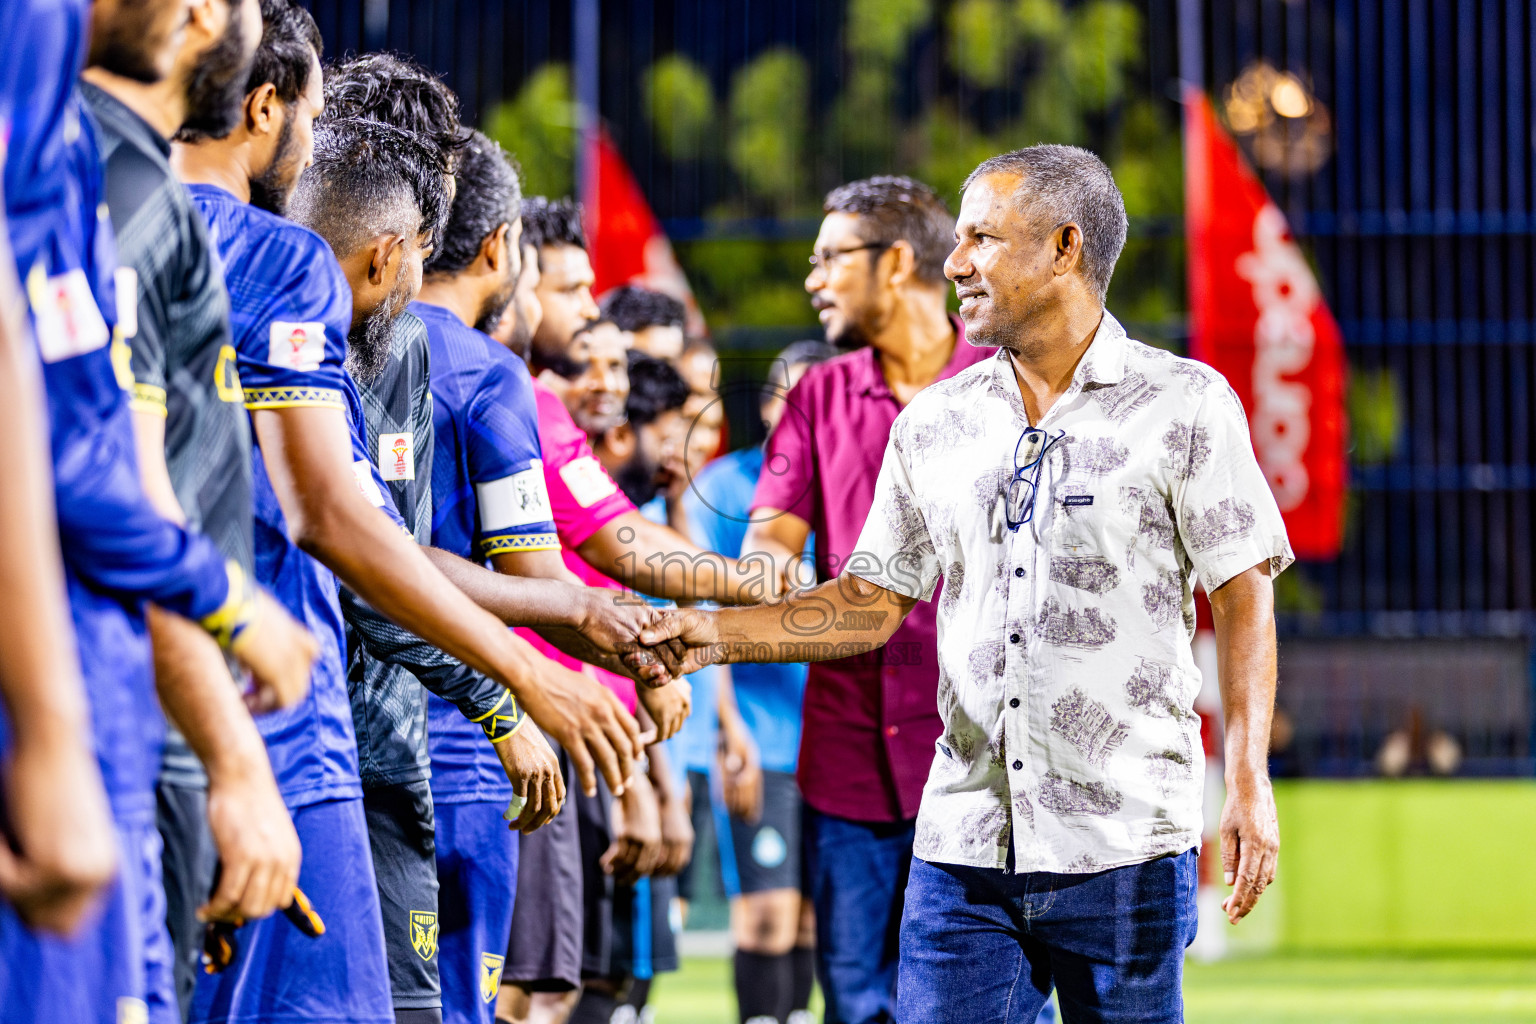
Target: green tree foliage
(1040, 21)
(680, 104)
(992, 75)
(878, 30)
(770, 126)
(538, 127)
(1102, 45)
(981, 42)
(1375, 405)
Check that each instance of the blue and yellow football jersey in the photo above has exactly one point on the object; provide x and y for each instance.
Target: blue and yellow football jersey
(290, 310)
(115, 544)
(118, 551)
(488, 497)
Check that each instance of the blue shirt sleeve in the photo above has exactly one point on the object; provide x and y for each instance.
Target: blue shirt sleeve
(502, 446)
(112, 537)
(110, 534)
(293, 345)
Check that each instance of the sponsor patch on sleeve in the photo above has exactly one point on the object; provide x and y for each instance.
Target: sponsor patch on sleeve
(296, 346)
(68, 321)
(588, 481)
(370, 490)
(397, 456)
(513, 501)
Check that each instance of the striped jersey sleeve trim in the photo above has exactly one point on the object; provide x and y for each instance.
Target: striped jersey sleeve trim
(288, 398)
(502, 544)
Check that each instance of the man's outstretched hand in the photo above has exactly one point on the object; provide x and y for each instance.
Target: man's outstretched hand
(680, 641)
(610, 624)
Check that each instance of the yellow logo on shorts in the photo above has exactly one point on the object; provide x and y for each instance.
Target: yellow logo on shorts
(132, 1011)
(490, 975)
(424, 933)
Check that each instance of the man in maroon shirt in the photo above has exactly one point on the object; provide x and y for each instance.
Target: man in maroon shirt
(877, 282)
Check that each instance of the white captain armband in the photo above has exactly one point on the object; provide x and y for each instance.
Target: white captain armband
(512, 501)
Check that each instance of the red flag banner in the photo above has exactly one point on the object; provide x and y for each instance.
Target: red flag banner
(627, 243)
(1258, 315)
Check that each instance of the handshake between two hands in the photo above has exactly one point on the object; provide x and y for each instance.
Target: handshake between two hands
(669, 643)
(656, 647)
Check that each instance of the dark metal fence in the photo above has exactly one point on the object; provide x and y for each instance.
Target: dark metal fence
(1419, 218)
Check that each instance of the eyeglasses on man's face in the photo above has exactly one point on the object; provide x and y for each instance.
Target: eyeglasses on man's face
(824, 258)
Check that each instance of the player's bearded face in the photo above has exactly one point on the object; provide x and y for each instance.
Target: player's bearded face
(216, 85)
(369, 342)
(498, 306)
(271, 189)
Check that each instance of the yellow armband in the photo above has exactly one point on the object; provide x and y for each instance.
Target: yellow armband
(503, 720)
(238, 610)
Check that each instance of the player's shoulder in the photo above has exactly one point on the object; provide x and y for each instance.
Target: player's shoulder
(503, 371)
(264, 242)
(279, 240)
(458, 345)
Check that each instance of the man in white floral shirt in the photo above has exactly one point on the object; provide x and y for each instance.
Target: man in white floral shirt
(1068, 492)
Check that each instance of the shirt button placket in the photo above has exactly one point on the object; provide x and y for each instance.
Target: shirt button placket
(1015, 681)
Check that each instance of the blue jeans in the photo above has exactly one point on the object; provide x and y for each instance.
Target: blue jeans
(983, 946)
(858, 872)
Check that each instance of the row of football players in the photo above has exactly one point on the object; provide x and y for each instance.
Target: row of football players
(238, 268)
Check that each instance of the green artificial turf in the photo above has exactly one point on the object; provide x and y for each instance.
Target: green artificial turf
(1271, 990)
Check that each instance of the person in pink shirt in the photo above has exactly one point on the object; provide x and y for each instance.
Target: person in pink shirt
(604, 540)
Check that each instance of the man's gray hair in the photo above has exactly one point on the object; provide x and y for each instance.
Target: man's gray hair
(1065, 183)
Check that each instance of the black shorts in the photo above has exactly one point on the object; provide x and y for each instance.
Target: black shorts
(544, 950)
(401, 834)
(187, 862)
(702, 815)
(644, 944)
(594, 818)
(765, 855)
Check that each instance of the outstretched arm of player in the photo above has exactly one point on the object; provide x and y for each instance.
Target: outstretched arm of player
(308, 456)
(534, 589)
(63, 848)
(838, 619)
(659, 561)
